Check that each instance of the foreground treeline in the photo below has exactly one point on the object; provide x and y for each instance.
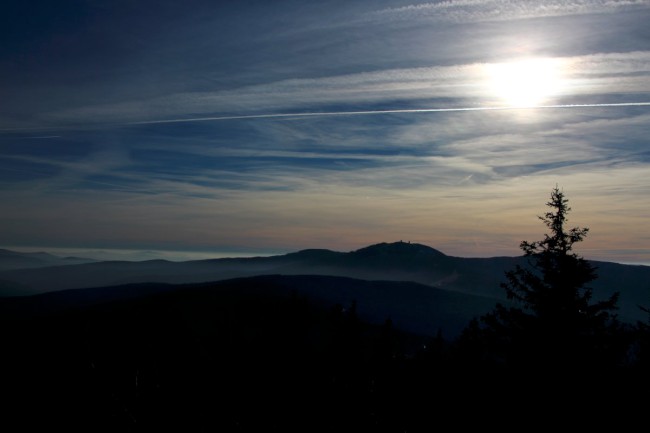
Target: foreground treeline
(200, 360)
(233, 359)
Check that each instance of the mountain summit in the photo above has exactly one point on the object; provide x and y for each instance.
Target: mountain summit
(398, 255)
(401, 248)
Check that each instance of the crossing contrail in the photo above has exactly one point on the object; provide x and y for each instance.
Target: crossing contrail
(315, 114)
(370, 112)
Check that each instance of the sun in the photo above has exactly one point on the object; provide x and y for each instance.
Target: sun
(525, 82)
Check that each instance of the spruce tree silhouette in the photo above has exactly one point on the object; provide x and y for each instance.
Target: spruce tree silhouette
(642, 343)
(552, 322)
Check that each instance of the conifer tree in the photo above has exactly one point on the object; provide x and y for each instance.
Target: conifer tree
(552, 320)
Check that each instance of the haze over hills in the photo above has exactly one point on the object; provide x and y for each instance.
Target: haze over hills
(19, 260)
(397, 261)
(386, 261)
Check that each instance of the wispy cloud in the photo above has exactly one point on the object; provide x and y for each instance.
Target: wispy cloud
(339, 128)
(430, 89)
(471, 11)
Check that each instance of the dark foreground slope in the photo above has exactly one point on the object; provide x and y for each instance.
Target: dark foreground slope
(261, 354)
(410, 306)
(243, 355)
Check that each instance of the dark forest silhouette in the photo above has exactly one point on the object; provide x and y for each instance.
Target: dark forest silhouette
(251, 354)
(555, 323)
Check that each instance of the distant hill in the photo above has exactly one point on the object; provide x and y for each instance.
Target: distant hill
(19, 260)
(412, 307)
(398, 261)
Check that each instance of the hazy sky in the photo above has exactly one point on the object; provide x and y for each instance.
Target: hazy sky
(274, 126)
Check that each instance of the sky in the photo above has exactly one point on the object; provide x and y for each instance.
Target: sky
(204, 128)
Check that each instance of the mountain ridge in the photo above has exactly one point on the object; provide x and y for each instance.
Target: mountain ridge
(412, 306)
(10, 260)
(396, 261)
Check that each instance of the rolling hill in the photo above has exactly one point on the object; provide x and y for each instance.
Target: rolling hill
(398, 261)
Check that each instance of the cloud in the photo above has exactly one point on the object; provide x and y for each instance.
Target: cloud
(472, 11)
(335, 132)
(441, 149)
(266, 99)
(430, 89)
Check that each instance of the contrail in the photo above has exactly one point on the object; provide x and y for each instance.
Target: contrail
(370, 112)
(321, 114)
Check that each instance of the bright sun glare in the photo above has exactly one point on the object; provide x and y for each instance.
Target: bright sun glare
(526, 82)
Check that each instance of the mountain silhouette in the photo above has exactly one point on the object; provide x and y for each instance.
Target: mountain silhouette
(396, 261)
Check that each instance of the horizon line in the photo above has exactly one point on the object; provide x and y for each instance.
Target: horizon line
(182, 255)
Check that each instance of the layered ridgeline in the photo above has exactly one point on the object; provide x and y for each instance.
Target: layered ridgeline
(18, 260)
(309, 341)
(476, 280)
